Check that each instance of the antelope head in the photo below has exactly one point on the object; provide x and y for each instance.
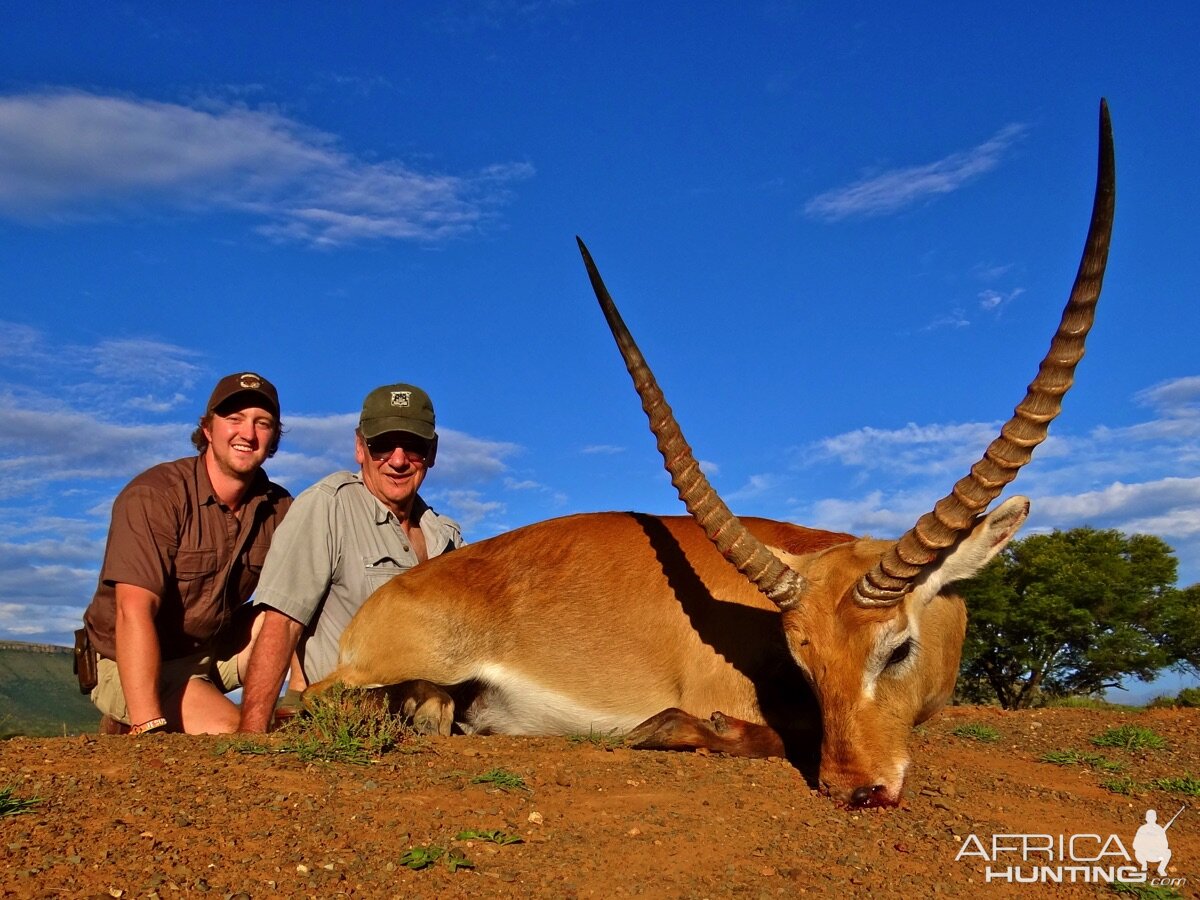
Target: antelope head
(871, 623)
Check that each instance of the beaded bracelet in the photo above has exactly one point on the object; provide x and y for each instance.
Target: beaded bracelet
(149, 725)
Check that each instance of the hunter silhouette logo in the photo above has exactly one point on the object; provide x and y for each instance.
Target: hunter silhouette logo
(1150, 843)
(1075, 858)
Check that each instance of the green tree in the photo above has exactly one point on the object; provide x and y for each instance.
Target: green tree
(1074, 612)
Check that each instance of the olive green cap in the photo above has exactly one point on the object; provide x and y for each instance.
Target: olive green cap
(397, 407)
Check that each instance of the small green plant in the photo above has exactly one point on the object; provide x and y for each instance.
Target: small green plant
(605, 740)
(977, 732)
(502, 779)
(14, 806)
(1122, 785)
(1145, 891)
(424, 857)
(421, 857)
(1188, 698)
(456, 859)
(342, 724)
(1130, 737)
(1185, 784)
(494, 836)
(1074, 757)
(245, 745)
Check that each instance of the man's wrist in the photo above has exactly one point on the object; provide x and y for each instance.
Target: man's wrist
(149, 725)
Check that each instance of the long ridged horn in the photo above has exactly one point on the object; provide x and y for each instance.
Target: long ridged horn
(954, 514)
(748, 554)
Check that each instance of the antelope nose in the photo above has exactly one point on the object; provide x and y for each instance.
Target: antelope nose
(873, 795)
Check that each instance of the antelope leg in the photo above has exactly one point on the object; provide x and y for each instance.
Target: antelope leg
(674, 729)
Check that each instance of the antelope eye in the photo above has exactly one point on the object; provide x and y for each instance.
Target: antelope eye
(900, 654)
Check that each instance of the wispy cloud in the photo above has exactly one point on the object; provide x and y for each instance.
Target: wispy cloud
(1135, 478)
(994, 301)
(69, 154)
(896, 189)
(470, 509)
(606, 449)
(913, 449)
(1179, 397)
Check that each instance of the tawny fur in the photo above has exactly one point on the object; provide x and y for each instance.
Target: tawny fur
(597, 622)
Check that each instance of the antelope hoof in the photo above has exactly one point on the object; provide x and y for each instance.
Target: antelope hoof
(424, 705)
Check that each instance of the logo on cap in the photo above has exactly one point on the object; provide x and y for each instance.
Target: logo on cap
(250, 381)
(401, 398)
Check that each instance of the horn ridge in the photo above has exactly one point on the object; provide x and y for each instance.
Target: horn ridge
(733, 540)
(953, 515)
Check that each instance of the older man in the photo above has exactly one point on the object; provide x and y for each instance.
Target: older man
(345, 536)
(187, 543)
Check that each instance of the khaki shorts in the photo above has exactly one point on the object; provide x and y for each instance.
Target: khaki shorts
(173, 677)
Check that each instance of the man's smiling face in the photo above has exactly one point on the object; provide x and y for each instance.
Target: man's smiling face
(393, 467)
(239, 438)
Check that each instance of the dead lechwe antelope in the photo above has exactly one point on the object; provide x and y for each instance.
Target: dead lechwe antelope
(748, 636)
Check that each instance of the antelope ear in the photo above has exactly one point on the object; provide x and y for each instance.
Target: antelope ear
(987, 537)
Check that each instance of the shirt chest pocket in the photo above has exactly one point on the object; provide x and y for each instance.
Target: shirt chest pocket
(379, 571)
(195, 565)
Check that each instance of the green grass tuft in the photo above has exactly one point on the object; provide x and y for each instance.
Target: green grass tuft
(1185, 784)
(1130, 737)
(14, 806)
(347, 725)
(605, 740)
(1145, 891)
(493, 836)
(1123, 785)
(977, 732)
(502, 779)
(1074, 757)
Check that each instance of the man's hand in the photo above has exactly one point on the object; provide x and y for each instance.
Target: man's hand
(273, 649)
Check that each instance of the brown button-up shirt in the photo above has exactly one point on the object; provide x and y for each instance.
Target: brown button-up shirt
(172, 536)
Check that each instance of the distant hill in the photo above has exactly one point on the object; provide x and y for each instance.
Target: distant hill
(39, 695)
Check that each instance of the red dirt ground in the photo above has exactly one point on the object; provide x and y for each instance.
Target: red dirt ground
(171, 815)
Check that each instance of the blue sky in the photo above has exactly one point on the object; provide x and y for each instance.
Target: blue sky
(842, 237)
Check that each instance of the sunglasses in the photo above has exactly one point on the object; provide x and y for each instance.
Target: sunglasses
(415, 449)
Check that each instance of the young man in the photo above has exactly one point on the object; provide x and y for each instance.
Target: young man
(187, 543)
(345, 536)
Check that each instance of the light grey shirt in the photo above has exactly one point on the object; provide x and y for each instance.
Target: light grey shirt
(336, 545)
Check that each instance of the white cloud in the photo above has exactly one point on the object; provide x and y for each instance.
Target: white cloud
(469, 508)
(1177, 397)
(896, 189)
(74, 153)
(755, 486)
(914, 449)
(607, 449)
(993, 301)
(956, 318)
(1171, 504)
(463, 457)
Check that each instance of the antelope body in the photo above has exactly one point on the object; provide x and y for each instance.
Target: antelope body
(746, 636)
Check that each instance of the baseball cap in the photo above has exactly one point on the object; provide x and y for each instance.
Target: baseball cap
(397, 407)
(245, 383)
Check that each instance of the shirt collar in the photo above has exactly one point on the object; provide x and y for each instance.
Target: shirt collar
(261, 485)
